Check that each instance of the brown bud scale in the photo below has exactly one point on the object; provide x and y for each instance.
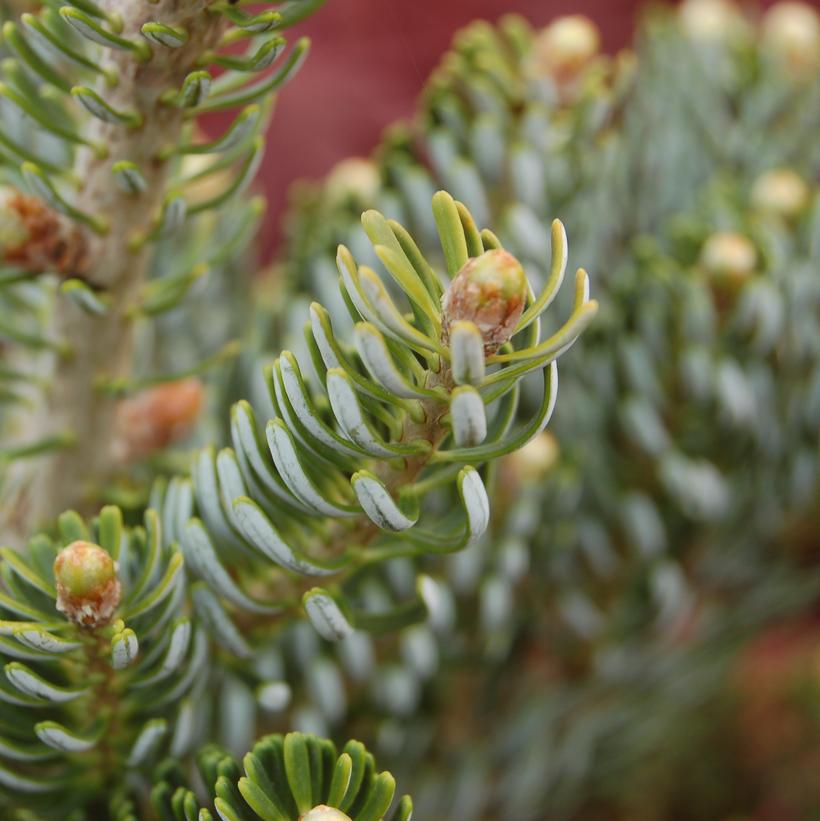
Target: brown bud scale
(490, 291)
(52, 242)
(158, 416)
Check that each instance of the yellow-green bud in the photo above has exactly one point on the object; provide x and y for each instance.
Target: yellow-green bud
(781, 192)
(710, 20)
(88, 591)
(729, 256)
(792, 32)
(354, 177)
(490, 291)
(564, 47)
(532, 462)
(324, 813)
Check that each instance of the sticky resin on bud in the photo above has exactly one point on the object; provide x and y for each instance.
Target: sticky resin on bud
(88, 590)
(324, 813)
(782, 192)
(729, 256)
(490, 291)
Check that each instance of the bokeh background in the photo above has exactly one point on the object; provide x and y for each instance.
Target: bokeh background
(367, 66)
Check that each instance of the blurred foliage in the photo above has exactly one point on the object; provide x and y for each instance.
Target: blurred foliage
(613, 618)
(677, 521)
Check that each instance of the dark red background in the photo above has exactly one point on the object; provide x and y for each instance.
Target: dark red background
(368, 62)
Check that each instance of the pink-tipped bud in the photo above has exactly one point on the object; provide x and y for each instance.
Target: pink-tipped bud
(490, 291)
(88, 591)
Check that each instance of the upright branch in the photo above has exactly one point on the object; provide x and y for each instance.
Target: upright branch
(100, 346)
(94, 224)
(338, 478)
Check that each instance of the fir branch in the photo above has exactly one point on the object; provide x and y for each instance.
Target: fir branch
(296, 777)
(122, 204)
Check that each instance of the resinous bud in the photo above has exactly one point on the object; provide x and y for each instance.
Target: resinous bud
(490, 291)
(88, 590)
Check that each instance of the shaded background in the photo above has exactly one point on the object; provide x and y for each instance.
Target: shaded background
(368, 62)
